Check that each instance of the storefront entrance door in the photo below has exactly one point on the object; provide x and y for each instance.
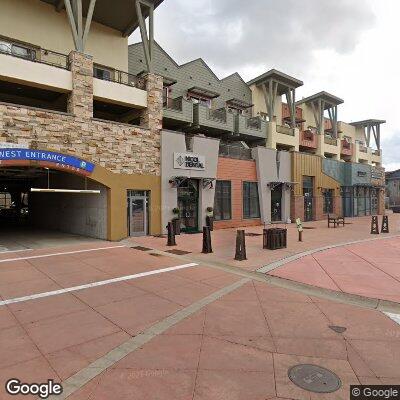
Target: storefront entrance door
(137, 213)
(276, 203)
(188, 204)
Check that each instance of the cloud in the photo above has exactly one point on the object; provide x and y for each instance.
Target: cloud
(236, 35)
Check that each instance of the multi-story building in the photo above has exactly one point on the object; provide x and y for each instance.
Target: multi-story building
(105, 140)
(67, 153)
(272, 158)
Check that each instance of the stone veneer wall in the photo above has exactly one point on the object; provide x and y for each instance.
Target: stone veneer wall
(120, 148)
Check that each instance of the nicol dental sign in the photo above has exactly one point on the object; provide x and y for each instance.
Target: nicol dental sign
(46, 158)
(189, 161)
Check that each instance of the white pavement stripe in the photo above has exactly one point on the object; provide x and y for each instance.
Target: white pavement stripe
(393, 317)
(94, 284)
(60, 254)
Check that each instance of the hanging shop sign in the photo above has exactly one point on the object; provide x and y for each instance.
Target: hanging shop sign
(189, 161)
(50, 159)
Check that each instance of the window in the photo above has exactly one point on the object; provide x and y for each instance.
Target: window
(328, 201)
(5, 200)
(251, 206)
(222, 201)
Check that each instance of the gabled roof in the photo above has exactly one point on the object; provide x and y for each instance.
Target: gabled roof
(117, 14)
(280, 77)
(329, 99)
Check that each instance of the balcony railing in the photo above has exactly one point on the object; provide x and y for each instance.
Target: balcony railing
(121, 77)
(253, 123)
(330, 140)
(363, 149)
(308, 138)
(38, 55)
(218, 115)
(173, 104)
(347, 147)
(286, 130)
(234, 151)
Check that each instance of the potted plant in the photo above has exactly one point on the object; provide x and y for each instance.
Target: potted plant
(176, 221)
(210, 218)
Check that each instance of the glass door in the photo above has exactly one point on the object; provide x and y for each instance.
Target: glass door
(188, 204)
(276, 203)
(137, 213)
(308, 191)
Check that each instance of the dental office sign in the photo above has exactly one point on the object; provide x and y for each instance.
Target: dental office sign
(50, 159)
(189, 161)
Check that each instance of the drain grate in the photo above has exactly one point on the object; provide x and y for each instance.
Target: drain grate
(141, 248)
(337, 329)
(314, 378)
(253, 234)
(308, 227)
(178, 252)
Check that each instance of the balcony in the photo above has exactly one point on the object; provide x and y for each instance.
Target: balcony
(346, 148)
(362, 149)
(35, 67)
(177, 111)
(308, 138)
(217, 121)
(251, 126)
(285, 130)
(118, 87)
(234, 151)
(330, 141)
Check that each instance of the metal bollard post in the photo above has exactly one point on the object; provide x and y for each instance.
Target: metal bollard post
(206, 240)
(171, 234)
(385, 224)
(374, 225)
(240, 253)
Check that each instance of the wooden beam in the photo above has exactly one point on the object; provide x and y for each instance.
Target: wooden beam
(316, 115)
(72, 23)
(143, 33)
(88, 21)
(266, 97)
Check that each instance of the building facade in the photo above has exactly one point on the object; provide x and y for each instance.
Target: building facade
(107, 140)
(67, 154)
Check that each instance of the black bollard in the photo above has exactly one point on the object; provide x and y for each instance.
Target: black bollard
(374, 225)
(171, 234)
(240, 253)
(206, 240)
(385, 224)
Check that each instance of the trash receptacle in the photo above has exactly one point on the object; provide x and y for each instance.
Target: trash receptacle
(274, 238)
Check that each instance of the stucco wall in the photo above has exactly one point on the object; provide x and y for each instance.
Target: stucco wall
(38, 23)
(175, 142)
(267, 171)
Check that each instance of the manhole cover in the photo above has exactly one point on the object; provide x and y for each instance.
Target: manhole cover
(314, 378)
(141, 248)
(338, 329)
(178, 252)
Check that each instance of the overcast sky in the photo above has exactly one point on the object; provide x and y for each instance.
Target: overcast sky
(349, 48)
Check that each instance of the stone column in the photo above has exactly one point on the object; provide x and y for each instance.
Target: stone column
(318, 204)
(297, 207)
(80, 101)
(337, 205)
(151, 117)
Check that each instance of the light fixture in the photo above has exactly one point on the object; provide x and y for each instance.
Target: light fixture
(86, 191)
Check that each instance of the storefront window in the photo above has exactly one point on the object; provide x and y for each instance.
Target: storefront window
(328, 201)
(222, 201)
(251, 206)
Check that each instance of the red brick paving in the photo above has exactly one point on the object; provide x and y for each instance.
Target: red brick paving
(238, 347)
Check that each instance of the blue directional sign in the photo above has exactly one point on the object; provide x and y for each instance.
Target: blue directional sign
(45, 156)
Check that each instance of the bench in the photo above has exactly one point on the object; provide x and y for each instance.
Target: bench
(336, 220)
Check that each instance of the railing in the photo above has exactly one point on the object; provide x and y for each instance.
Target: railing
(285, 130)
(121, 77)
(253, 123)
(173, 104)
(38, 55)
(330, 140)
(308, 135)
(376, 152)
(218, 115)
(347, 147)
(232, 151)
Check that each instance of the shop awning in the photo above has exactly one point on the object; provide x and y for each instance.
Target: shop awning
(237, 103)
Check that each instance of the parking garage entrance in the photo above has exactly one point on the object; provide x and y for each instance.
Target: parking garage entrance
(42, 190)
